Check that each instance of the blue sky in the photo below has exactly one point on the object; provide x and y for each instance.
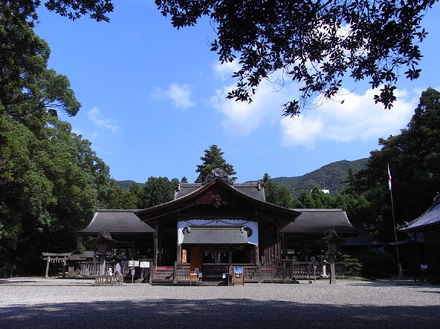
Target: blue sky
(153, 99)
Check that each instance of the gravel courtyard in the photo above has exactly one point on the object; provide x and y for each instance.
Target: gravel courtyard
(70, 303)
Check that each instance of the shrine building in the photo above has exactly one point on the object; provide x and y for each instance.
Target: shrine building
(218, 229)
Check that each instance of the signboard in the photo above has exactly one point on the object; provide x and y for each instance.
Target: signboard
(144, 264)
(133, 263)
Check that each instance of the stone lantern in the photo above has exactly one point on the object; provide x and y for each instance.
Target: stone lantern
(104, 245)
(332, 241)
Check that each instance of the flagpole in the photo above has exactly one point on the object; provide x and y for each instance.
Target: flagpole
(399, 265)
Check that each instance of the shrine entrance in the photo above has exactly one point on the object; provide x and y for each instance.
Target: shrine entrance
(51, 257)
(214, 227)
(213, 262)
(211, 247)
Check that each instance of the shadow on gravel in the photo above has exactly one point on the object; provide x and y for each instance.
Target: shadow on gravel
(39, 283)
(212, 314)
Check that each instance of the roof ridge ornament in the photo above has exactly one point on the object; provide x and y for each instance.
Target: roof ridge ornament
(436, 199)
(220, 174)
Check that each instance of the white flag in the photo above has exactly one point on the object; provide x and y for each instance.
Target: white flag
(389, 177)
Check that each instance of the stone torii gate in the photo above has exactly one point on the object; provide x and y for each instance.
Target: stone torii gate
(51, 257)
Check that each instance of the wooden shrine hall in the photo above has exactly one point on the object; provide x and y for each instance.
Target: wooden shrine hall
(218, 230)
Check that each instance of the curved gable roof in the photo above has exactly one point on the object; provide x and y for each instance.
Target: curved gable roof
(319, 221)
(428, 218)
(117, 221)
(216, 191)
(254, 190)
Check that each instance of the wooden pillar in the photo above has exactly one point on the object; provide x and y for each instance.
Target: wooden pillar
(304, 250)
(278, 246)
(64, 267)
(179, 254)
(284, 253)
(156, 242)
(284, 271)
(152, 273)
(47, 267)
(332, 269)
(260, 274)
(257, 254)
(102, 265)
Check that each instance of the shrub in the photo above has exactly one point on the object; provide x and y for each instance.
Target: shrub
(377, 264)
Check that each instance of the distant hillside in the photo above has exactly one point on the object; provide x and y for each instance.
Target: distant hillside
(330, 177)
(126, 184)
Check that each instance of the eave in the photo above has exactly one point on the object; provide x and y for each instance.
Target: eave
(263, 210)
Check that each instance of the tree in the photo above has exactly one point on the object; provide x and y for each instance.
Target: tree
(315, 199)
(315, 43)
(413, 157)
(50, 179)
(157, 190)
(214, 159)
(277, 194)
(50, 187)
(27, 87)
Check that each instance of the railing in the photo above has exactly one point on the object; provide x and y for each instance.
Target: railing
(302, 270)
(251, 273)
(109, 280)
(94, 268)
(183, 272)
(271, 274)
(308, 270)
(340, 270)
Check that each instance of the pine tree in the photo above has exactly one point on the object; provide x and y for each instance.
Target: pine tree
(214, 159)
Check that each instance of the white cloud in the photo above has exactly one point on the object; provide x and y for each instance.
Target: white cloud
(179, 94)
(357, 118)
(301, 130)
(242, 118)
(95, 116)
(225, 70)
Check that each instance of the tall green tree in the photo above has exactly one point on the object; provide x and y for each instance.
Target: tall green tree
(214, 159)
(413, 157)
(355, 204)
(315, 43)
(315, 199)
(52, 184)
(50, 179)
(157, 190)
(27, 87)
(277, 194)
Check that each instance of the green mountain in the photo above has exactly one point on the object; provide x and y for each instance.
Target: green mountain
(126, 184)
(331, 177)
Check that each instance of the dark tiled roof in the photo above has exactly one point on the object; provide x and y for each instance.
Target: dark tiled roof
(83, 256)
(428, 218)
(254, 190)
(266, 210)
(319, 221)
(116, 221)
(363, 238)
(215, 235)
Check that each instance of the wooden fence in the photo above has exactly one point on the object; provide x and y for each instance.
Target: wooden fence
(92, 269)
(181, 273)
